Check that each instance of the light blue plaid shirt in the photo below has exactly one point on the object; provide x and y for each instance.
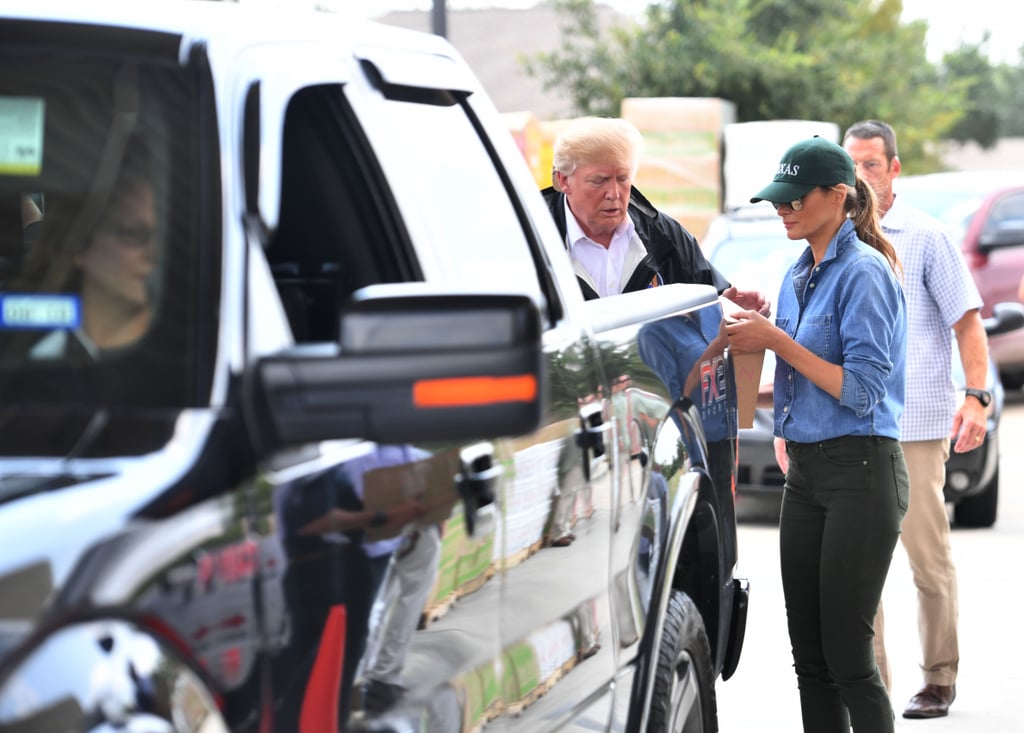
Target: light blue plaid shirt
(939, 290)
(848, 309)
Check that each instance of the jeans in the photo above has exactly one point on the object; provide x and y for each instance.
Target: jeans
(842, 508)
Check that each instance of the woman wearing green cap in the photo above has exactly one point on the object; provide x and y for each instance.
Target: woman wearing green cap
(840, 339)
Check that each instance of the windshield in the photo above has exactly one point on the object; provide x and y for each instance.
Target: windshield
(955, 208)
(99, 232)
(953, 197)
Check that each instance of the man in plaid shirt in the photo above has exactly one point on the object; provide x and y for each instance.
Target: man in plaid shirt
(942, 299)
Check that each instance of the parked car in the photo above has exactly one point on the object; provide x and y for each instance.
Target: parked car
(749, 245)
(985, 209)
(295, 379)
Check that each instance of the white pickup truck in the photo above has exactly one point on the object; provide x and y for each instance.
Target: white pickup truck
(298, 391)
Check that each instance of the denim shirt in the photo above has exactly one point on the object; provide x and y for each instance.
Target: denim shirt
(849, 310)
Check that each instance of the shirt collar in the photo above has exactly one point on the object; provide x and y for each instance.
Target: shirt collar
(843, 238)
(896, 217)
(574, 232)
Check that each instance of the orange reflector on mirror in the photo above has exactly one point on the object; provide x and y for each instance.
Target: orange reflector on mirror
(466, 391)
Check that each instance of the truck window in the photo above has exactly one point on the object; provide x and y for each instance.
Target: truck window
(355, 196)
(100, 227)
(337, 230)
(451, 192)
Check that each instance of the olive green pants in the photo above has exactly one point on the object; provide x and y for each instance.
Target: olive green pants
(842, 508)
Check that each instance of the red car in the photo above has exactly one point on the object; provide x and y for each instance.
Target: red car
(986, 209)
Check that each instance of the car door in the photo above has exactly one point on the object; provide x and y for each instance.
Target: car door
(425, 564)
(998, 270)
(549, 662)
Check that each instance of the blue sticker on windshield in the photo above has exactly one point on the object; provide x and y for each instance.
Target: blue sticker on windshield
(40, 311)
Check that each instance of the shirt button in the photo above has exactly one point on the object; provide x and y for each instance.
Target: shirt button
(811, 285)
(786, 408)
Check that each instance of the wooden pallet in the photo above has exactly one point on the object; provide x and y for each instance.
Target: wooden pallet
(520, 555)
(436, 609)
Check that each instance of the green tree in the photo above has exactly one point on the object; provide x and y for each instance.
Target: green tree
(1009, 83)
(837, 60)
(968, 67)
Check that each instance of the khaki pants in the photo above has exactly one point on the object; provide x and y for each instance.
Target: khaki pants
(925, 538)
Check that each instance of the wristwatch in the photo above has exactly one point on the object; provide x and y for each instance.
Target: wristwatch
(982, 395)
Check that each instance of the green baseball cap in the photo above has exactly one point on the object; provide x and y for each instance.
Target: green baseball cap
(805, 166)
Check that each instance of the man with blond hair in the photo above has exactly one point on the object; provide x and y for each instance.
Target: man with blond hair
(618, 241)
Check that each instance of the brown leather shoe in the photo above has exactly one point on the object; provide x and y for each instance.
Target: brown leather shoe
(931, 701)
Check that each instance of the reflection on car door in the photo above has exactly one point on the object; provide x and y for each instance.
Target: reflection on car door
(423, 580)
(519, 622)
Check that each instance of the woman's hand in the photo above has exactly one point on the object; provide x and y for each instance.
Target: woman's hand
(749, 331)
(781, 457)
(749, 299)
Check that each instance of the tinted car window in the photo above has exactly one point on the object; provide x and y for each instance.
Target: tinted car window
(1007, 214)
(319, 254)
(337, 231)
(99, 235)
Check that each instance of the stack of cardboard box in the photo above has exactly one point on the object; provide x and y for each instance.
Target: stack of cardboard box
(681, 167)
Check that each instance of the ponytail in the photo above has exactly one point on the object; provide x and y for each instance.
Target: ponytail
(862, 207)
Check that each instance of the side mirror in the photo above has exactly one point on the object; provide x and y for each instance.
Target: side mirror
(413, 364)
(1008, 233)
(1006, 317)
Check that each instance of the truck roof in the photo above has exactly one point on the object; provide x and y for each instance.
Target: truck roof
(227, 23)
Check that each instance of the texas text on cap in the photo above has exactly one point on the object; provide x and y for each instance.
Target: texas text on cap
(806, 165)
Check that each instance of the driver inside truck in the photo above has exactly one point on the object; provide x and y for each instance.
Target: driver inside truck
(103, 251)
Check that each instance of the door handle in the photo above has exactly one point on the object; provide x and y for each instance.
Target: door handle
(590, 435)
(477, 481)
